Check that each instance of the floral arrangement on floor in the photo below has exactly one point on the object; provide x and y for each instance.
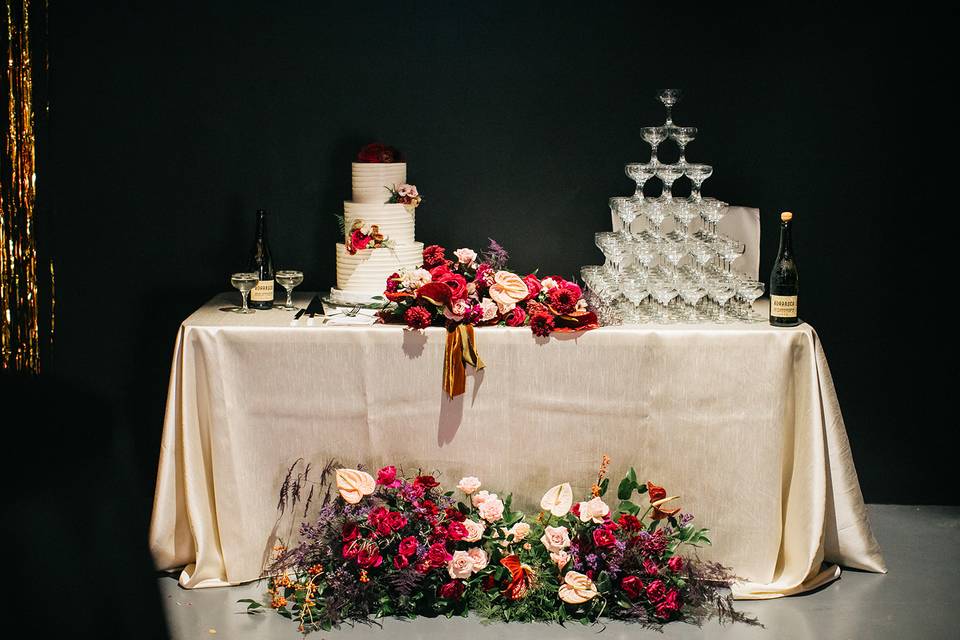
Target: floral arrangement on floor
(392, 545)
(364, 236)
(474, 290)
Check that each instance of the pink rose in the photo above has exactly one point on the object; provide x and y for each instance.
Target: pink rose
(388, 477)
(460, 566)
(474, 530)
(555, 538)
(491, 510)
(468, 484)
(465, 256)
(479, 558)
(480, 497)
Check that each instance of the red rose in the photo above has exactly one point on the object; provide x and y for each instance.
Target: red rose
(602, 537)
(629, 522)
(457, 284)
(350, 532)
(427, 482)
(418, 317)
(542, 324)
(437, 554)
(563, 300)
(675, 563)
(377, 515)
(439, 271)
(516, 317)
(369, 558)
(455, 514)
(408, 546)
(433, 256)
(533, 286)
(575, 509)
(651, 567)
(452, 590)
(632, 585)
(377, 152)
(383, 528)
(358, 240)
(672, 600)
(655, 591)
(400, 562)
(457, 531)
(428, 505)
(423, 567)
(393, 282)
(387, 475)
(350, 550)
(395, 520)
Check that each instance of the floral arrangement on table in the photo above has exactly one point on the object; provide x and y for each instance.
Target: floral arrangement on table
(401, 546)
(474, 290)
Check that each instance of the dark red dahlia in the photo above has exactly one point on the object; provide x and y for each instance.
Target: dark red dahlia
(433, 256)
(542, 324)
(563, 299)
(418, 318)
(377, 152)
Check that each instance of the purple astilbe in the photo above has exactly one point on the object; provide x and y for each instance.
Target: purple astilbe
(685, 519)
(495, 255)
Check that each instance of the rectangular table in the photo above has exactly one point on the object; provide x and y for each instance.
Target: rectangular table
(741, 420)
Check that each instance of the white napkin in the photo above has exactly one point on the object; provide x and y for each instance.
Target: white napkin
(359, 319)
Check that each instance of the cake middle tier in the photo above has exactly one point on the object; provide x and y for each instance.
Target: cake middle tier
(395, 221)
(367, 270)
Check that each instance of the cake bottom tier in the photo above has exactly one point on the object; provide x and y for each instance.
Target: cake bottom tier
(364, 274)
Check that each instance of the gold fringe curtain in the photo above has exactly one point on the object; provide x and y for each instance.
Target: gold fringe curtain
(20, 279)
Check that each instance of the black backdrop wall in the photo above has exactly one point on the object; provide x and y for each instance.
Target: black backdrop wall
(170, 125)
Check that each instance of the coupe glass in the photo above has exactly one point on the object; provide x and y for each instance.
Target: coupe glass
(668, 174)
(289, 280)
(697, 174)
(654, 136)
(611, 244)
(683, 212)
(646, 254)
(702, 254)
(692, 293)
(639, 173)
(721, 291)
(669, 97)
(655, 212)
(683, 136)
(749, 291)
(626, 210)
(712, 211)
(674, 252)
(635, 291)
(730, 250)
(663, 292)
(244, 282)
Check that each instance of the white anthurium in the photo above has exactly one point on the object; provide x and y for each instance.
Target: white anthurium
(558, 500)
(354, 484)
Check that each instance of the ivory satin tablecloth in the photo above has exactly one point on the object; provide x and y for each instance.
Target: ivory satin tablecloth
(741, 420)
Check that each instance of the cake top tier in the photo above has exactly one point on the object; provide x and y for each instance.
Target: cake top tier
(372, 181)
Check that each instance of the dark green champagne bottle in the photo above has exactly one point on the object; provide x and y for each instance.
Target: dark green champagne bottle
(261, 263)
(784, 282)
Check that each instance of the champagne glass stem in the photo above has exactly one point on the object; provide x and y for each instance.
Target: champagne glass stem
(244, 294)
(289, 296)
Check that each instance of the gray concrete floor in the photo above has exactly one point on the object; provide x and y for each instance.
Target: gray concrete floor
(918, 598)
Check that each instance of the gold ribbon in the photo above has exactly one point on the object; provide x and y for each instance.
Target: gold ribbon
(461, 349)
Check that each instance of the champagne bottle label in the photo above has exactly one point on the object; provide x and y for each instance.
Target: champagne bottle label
(263, 292)
(783, 306)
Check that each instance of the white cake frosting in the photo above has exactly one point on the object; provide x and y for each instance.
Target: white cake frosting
(363, 275)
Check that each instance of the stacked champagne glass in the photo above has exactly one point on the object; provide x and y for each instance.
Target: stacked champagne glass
(683, 275)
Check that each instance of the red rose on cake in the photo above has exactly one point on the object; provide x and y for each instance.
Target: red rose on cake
(377, 152)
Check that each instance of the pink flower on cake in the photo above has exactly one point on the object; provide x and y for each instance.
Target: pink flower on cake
(507, 290)
(515, 317)
(469, 484)
(418, 317)
(465, 256)
(542, 324)
(407, 190)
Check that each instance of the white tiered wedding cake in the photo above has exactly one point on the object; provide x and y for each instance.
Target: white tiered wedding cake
(378, 227)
